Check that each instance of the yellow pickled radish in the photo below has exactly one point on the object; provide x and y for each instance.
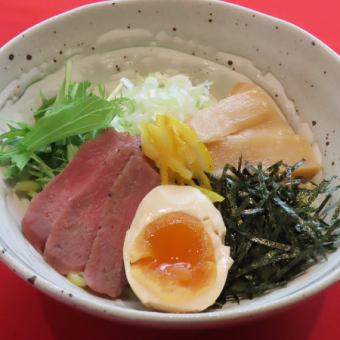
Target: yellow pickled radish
(178, 153)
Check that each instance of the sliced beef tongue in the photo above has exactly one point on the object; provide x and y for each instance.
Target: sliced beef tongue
(104, 272)
(63, 190)
(80, 219)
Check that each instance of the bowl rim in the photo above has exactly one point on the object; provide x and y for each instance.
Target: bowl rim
(153, 318)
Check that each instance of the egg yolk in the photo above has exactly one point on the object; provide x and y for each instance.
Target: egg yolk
(176, 250)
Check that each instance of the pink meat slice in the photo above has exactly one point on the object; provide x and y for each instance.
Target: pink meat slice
(104, 271)
(49, 204)
(69, 243)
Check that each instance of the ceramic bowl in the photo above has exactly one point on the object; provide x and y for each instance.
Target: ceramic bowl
(307, 68)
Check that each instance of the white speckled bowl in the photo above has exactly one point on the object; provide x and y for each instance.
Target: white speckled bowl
(308, 69)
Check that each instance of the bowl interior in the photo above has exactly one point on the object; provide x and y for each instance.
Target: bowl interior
(308, 70)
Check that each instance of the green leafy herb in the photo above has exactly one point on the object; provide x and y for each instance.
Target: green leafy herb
(277, 226)
(38, 152)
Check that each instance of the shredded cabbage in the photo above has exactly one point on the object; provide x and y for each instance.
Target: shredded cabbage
(160, 94)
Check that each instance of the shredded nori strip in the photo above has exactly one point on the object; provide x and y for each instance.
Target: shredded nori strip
(276, 226)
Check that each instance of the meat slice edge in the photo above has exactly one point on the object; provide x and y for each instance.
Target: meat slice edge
(104, 271)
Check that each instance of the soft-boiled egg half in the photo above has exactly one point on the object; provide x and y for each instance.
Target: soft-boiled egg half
(174, 253)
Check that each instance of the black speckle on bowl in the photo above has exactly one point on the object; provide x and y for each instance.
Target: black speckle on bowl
(324, 72)
(280, 64)
(60, 52)
(174, 29)
(314, 122)
(276, 27)
(11, 57)
(117, 68)
(211, 14)
(253, 15)
(327, 143)
(54, 32)
(210, 20)
(54, 60)
(113, 3)
(32, 279)
(3, 251)
(193, 53)
(28, 57)
(276, 95)
(93, 48)
(139, 11)
(313, 43)
(128, 27)
(333, 163)
(230, 62)
(70, 295)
